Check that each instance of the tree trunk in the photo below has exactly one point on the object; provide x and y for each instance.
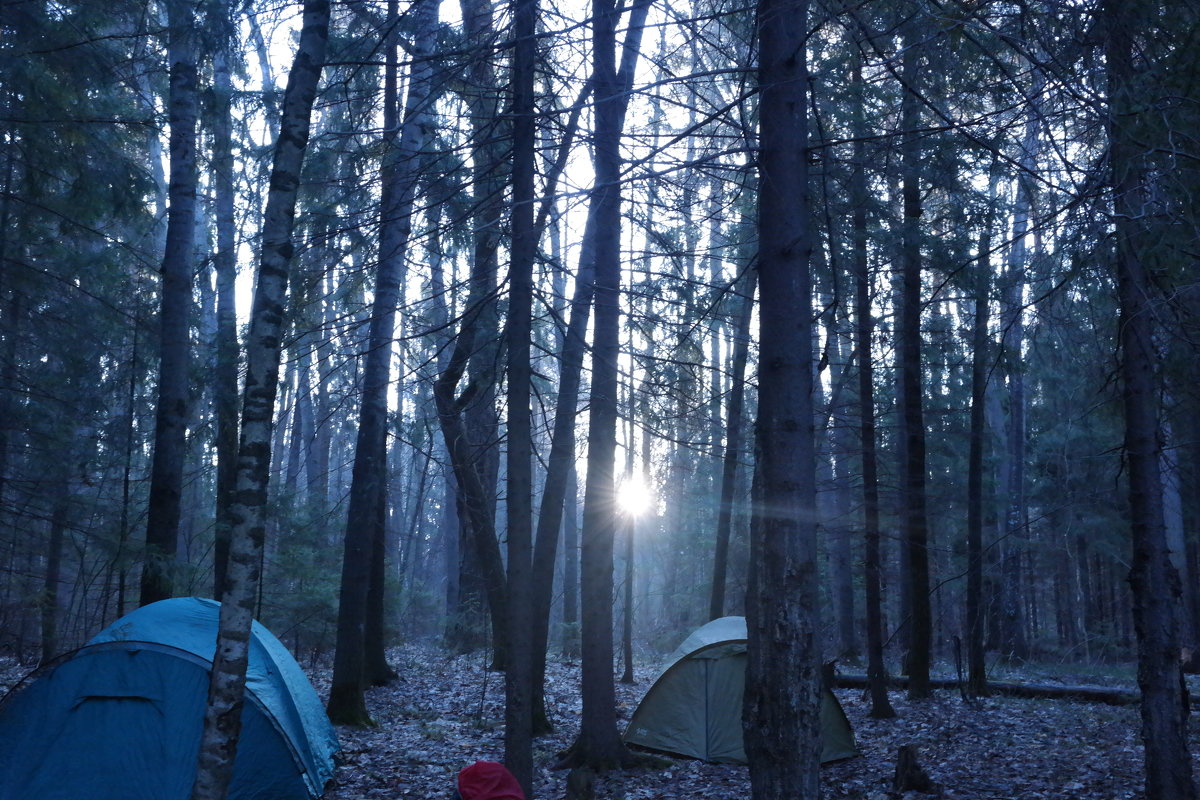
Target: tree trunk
(841, 450)
(222, 720)
(1013, 628)
(1087, 592)
(11, 317)
(1090, 694)
(449, 530)
(461, 583)
(910, 776)
(560, 469)
(1155, 583)
(170, 422)
(980, 366)
(1191, 494)
(292, 464)
(489, 157)
(1176, 530)
(376, 670)
(518, 684)
(599, 744)
(560, 476)
(322, 441)
(733, 445)
(630, 520)
(912, 421)
(53, 575)
(475, 509)
(782, 695)
(225, 377)
(570, 536)
(10, 311)
(881, 707)
(404, 146)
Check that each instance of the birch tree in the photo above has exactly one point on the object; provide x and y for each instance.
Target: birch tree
(226, 694)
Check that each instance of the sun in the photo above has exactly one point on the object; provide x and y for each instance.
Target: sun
(633, 496)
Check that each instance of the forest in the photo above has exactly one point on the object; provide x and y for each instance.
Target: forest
(518, 340)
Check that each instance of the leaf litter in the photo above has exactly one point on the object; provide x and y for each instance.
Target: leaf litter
(444, 712)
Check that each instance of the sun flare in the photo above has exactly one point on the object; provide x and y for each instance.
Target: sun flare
(633, 495)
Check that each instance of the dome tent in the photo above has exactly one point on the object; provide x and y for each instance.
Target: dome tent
(694, 706)
(122, 716)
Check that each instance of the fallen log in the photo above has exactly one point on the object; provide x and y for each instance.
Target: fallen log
(1091, 694)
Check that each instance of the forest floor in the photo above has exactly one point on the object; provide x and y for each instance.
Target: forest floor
(444, 712)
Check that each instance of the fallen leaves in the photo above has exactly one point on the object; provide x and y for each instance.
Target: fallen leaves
(446, 712)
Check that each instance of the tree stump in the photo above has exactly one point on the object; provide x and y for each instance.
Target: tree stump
(910, 775)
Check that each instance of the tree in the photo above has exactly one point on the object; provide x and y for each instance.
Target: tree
(1152, 576)
(980, 365)
(780, 714)
(170, 425)
(225, 377)
(733, 444)
(518, 694)
(222, 719)
(559, 483)
(900, 151)
(908, 346)
(864, 325)
(476, 354)
(599, 744)
(1014, 639)
(403, 155)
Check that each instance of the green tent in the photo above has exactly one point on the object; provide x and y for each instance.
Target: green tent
(694, 707)
(120, 719)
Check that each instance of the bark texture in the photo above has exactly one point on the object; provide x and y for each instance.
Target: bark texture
(518, 685)
(780, 712)
(1152, 576)
(170, 421)
(225, 378)
(223, 715)
(1013, 626)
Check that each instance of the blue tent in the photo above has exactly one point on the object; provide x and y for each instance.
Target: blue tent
(120, 719)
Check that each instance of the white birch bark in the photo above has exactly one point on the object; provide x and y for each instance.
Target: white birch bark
(222, 720)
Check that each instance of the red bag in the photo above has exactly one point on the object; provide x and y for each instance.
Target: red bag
(487, 780)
